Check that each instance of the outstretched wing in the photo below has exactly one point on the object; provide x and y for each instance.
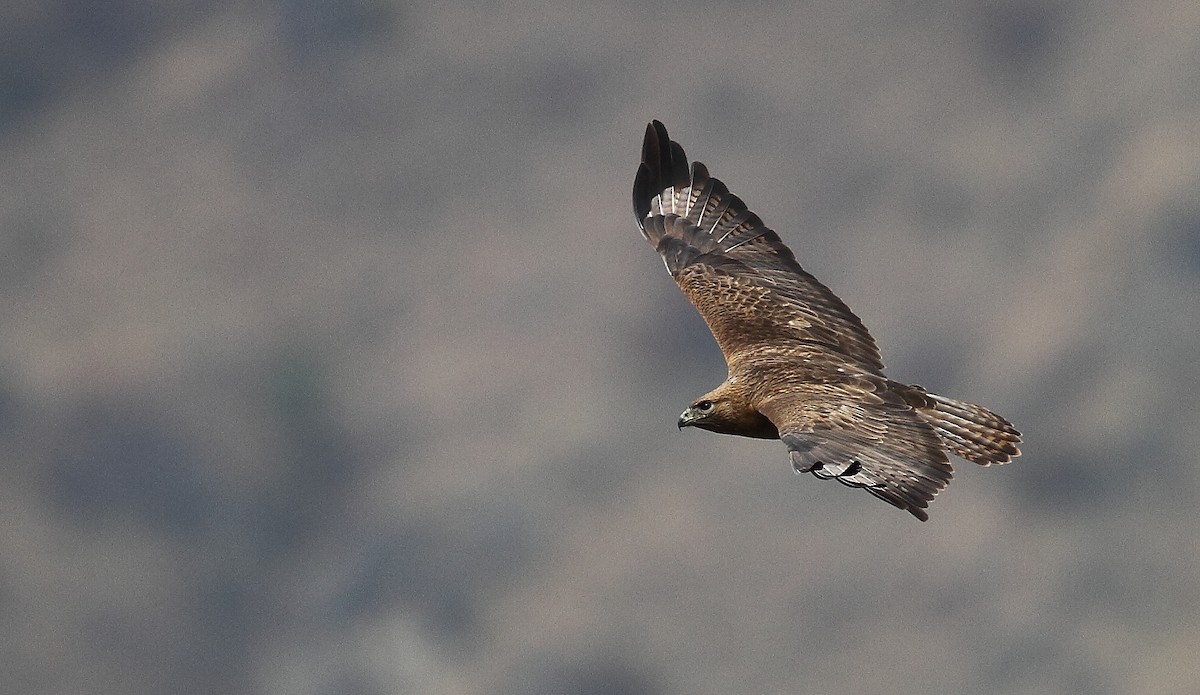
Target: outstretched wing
(743, 280)
(864, 436)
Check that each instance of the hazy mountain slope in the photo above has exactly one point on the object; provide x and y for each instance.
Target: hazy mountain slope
(333, 361)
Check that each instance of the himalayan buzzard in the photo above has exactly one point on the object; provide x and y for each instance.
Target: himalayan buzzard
(802, 367)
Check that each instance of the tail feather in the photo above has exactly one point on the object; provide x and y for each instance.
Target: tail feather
(971, 431)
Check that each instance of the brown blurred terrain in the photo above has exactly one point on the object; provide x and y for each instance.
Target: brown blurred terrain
(332, 360)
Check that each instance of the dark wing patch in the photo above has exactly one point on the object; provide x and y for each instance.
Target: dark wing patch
(737, 272)
(840, 432)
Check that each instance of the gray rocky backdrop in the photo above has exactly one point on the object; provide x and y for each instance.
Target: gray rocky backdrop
(332, 361)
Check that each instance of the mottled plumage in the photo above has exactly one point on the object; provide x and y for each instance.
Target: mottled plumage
(802, 367)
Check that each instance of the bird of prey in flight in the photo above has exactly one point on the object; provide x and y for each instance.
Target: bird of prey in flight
(802, 367)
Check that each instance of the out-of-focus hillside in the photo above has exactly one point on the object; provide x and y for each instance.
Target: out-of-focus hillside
(332, 360)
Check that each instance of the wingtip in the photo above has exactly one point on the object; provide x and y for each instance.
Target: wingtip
(658, 157)
(652, 145)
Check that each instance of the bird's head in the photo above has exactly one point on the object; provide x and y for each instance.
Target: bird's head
(703, 410)
(727, 410)
(716, 413)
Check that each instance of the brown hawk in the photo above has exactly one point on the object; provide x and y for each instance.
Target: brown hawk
(802, 367)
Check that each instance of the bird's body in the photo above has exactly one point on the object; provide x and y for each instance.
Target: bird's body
(802, 367)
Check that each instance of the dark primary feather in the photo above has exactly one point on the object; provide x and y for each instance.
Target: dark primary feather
(737, 272)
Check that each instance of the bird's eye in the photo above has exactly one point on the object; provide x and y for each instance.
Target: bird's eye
(704, 406)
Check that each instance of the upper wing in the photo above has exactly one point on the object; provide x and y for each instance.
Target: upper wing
(864, 436)
(746, 284)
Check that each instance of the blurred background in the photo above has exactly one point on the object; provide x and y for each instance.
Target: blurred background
(332, 360)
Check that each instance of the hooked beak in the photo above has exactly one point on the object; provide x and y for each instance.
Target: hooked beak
(685, 420)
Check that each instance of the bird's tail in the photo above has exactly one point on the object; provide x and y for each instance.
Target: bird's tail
(971, 431)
